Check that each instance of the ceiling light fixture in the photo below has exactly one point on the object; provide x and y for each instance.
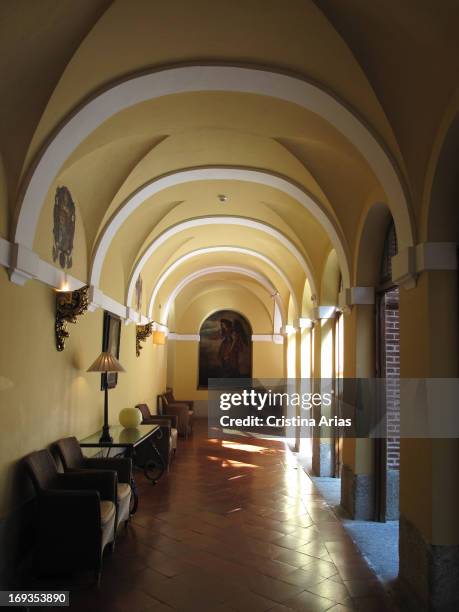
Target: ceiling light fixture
(222, 198)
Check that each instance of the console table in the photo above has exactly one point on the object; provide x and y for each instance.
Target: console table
(132, 441)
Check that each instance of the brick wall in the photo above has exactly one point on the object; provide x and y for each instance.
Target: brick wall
(392, 373)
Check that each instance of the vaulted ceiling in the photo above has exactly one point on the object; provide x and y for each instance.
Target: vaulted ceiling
(387, 68)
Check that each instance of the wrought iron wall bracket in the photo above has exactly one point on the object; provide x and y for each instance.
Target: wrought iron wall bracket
(142, 333)
(69, 305)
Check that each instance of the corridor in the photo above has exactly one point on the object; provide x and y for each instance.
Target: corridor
(234, 526)
(261, 191)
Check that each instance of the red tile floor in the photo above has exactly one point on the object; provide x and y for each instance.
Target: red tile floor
(233, 526)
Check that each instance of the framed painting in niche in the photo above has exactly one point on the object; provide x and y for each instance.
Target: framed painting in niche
(225, 347)
(111, 343)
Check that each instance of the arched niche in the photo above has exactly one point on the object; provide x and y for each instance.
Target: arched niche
(225, 347)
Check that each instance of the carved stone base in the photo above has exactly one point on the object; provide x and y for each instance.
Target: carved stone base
(392, 495)
(429, 574)
(357, 494)
(322, 457)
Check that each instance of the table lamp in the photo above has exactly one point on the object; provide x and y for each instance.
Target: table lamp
(105, 363)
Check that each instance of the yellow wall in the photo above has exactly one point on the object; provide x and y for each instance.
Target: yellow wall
(45, 394)
(428, 466)
(186, 371)
(268, 360)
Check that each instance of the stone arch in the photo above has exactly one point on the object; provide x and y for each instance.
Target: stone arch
(200, 174)
(218, 249)
(260, 278)
(200, 221)
(177, 80)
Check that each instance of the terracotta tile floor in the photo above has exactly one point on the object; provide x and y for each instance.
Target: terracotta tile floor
(234, 526)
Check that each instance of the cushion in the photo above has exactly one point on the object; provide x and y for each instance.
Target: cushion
(124, 500)
(70, 453)
(123, 490)
(107, 522)
(174, 435)
(42, 469)
(107, 512)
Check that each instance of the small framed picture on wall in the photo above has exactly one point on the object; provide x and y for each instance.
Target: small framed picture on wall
(111, 343)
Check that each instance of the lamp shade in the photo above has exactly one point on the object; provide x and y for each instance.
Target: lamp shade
(159, 337)
(106, 362)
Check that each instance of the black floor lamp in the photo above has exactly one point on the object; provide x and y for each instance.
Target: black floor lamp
(106, 363)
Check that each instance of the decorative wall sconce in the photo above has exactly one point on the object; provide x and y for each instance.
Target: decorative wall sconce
(69, 305)
(142, 333)
(159, 337)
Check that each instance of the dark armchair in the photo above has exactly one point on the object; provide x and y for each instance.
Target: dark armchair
(171, 399)
(69, 452)
(75, 517)
(181, 410)
(167, 444)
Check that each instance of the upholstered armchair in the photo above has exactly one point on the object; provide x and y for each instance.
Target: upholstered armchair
(76, 516)
(179, 409)
(171, 398)
(167, 444)
(71, 456)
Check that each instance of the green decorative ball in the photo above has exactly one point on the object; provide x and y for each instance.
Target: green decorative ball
(130, 417)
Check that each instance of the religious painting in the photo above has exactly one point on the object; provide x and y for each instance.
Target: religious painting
(111, 343)
(138, 293)
(64, 227)
(225, 347)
